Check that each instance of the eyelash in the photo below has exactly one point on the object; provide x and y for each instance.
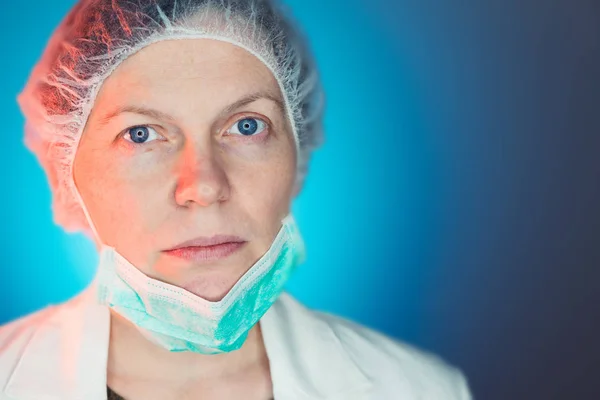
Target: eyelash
(128, 130)
(258, 137)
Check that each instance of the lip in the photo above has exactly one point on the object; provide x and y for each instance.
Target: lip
(205, 249)
(209, 241)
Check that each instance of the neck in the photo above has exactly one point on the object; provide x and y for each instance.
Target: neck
(132, 355)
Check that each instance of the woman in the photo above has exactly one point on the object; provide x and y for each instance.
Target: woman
(176, 134)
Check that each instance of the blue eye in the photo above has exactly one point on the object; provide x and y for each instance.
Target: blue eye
(248, 127)
(141, 134)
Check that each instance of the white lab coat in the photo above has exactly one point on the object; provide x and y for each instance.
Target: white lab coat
(60, 353)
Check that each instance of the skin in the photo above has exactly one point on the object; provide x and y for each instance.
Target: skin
(193, 177)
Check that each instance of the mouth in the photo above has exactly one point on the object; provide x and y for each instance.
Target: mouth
(203, 250)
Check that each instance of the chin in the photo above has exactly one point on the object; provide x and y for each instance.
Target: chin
(211, 288)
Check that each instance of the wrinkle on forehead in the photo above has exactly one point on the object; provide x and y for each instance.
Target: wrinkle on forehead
(191, 59)
(177, 74)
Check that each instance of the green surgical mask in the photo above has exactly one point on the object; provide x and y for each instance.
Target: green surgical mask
(178, 320)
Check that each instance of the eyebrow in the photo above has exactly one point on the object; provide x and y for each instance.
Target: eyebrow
(156, 114)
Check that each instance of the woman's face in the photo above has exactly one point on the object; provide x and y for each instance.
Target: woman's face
(188, 139)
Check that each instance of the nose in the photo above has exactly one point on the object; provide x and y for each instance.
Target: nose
(201, 179)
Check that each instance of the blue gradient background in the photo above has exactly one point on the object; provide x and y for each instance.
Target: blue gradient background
(454, 204)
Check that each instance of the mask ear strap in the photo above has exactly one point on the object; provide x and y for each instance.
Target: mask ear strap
(88, 217)
(289, 223)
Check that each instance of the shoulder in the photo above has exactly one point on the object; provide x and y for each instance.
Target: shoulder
(57, 316)
(72, 335)
(14, 338)
(394, 363)
(16, 333)
(393, 366)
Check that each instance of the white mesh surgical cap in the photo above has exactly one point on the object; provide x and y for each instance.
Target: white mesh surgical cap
(97, 35)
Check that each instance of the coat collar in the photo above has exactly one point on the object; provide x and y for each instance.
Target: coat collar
(307, 359)
(66, 358)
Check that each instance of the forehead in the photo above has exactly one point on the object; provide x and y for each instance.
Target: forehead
(185, 74)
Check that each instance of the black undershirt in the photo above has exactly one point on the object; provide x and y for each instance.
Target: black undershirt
(114, 396)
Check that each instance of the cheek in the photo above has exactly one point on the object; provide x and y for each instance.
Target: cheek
(264, 187)
(124, 198)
